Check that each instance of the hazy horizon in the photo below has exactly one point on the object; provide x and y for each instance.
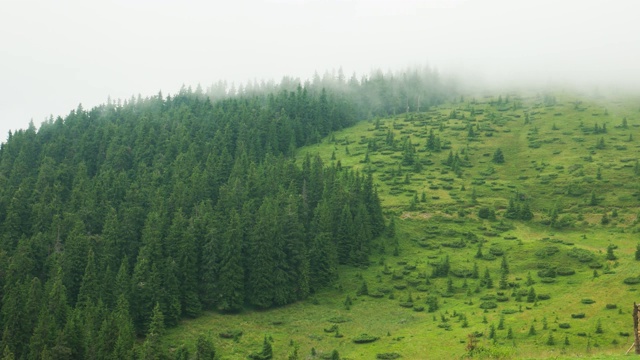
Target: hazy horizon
(57, 55)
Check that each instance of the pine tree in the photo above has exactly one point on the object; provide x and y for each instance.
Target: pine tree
(152, 346)
(123, 346)
(170, 296)
(204, 348)
(89, 292)
(531, 295)
(498, 157)
(345, 235)
(550, 340)
(610, 254)
(231, 274)
(295, 247)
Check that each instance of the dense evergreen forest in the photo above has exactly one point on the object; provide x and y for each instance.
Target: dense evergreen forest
(120, 220)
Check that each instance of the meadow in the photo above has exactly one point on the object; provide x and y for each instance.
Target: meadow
(515, 235)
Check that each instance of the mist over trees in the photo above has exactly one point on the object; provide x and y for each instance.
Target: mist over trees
(118, 221)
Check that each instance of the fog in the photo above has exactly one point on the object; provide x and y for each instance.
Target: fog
(55, 55)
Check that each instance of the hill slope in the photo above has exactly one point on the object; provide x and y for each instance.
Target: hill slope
(515, 252)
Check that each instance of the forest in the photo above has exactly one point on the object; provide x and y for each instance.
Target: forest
(119, 221)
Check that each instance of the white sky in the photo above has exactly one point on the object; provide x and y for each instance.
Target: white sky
(57, 54)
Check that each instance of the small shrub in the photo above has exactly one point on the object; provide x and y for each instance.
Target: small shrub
(611, 306)
(547, 280)
(338, 319)
(418, 308)
(488, 305)
(587, 301)
(364, 339)
(230, 334)
(388, 356)
(577, 316)
(547, 273)
(564, 271)
(564, 325)
(544, 296)
(632, 280)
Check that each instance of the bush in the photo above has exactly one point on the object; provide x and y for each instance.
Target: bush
(230, 334)
(564, 325)
(418, 308)
(497, 251)
(406, 304)
(544, 296)
(547, 273)
(581, 255)
(587, 301)
(547, 280)
(547, 251)
(632, 280)
(611, 306)
(565, 271)
(486, 213)
(502, 298)
(488, 305)
(388, 356)
(364, 339)
(577, 316)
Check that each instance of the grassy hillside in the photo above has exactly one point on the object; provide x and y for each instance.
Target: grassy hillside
(565, 273)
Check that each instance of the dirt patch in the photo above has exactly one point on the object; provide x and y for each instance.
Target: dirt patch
(423, 216)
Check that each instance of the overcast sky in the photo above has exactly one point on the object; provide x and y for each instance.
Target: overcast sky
(57, 54)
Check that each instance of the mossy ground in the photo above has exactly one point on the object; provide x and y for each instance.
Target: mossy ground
(553, 161)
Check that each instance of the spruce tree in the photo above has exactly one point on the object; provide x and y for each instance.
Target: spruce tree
(231, 273)
(152, 346)
(204, 348)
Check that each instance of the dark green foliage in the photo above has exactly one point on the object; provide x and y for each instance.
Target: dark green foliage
(550, 340)
(266, 353)
(432, 303)
(599, 329)
(498, 156)
(364, 339)
(531, 295)
(152, 347)
(204, 348)
(610, 254)
(486, 213)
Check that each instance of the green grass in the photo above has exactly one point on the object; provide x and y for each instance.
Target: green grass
(555, 173)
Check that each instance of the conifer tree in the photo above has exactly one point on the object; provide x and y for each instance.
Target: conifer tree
(152, 346)
(204, 348)
(231, 276)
